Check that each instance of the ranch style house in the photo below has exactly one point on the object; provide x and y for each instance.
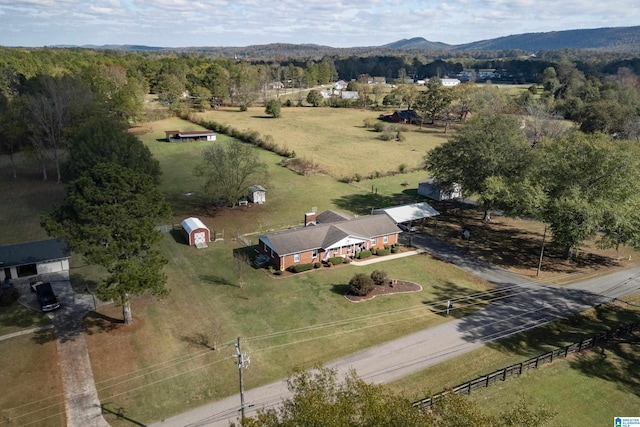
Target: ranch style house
(329, 234)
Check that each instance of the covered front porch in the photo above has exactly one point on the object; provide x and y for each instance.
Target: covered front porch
(346, 248)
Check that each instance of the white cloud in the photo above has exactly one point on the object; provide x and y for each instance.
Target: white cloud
(339, 23)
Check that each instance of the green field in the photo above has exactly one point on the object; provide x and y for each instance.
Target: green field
(335, 138)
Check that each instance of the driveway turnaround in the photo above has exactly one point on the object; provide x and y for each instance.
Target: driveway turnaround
(526, 305)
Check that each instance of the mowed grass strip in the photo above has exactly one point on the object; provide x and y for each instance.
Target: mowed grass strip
(590, 388)
(164, 364)
(31, 383)
(336, 138)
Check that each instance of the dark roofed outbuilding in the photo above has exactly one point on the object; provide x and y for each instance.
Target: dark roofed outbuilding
(32, 258)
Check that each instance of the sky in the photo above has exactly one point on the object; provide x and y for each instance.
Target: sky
(336, 23)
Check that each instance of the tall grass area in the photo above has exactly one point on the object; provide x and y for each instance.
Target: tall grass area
(336, 138)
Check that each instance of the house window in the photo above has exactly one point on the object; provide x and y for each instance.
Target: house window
(314, 253)
(374, 241)
(296, 257)
(385, 239)
(336, 252)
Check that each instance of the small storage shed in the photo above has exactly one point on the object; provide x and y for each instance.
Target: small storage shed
(196, 233)
(257, 194)
(430, 188)
(33, 258)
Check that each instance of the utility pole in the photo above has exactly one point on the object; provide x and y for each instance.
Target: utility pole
(544, 236)
(243, 363)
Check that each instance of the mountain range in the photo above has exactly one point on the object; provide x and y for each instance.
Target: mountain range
(613, 39)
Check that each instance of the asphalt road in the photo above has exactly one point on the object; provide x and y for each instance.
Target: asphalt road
(526, 305)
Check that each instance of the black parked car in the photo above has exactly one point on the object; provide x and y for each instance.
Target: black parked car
(46, 297)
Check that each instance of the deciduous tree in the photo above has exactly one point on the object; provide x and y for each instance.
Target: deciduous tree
(321, 399)
(273, 108)
(229, 170)
(486, 146)
(314, 98)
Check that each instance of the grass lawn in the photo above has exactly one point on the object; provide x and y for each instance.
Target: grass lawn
(31, 384)
(16, 317)
(289, 195)
(589, 389)
(298, 321)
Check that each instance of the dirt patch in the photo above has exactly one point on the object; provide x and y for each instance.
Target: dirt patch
(398, 287)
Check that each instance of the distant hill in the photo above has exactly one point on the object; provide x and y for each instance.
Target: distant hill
(418, 43)
(616, 39)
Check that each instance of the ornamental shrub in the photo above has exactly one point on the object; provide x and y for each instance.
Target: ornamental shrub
(379, 277)
(317, 264)
(383, 252)
(361, 285)
(298, 268)
(364, 254)
(336, 260)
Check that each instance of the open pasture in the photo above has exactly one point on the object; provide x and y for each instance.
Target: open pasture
(336, 138)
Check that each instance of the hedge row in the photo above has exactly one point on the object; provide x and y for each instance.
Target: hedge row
(336, 260)
(249, 136)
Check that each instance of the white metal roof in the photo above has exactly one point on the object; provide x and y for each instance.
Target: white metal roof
(406, 213)
(191, 224)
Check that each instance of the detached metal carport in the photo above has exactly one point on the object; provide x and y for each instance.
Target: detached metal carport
(408, 214)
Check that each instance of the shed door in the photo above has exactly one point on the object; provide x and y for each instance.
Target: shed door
(199, 237)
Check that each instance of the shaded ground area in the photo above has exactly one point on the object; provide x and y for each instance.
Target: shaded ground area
(515, 244)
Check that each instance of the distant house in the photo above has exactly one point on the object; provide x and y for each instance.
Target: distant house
(450, 82)
(349, 94)
(377, 80)
(319, 241)
(184, 136)
(406, 214)
(257, 194)
(33, 258)
(340, 85)
(430, 188)
(195, 232)
(276, 85)
(404, 116)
